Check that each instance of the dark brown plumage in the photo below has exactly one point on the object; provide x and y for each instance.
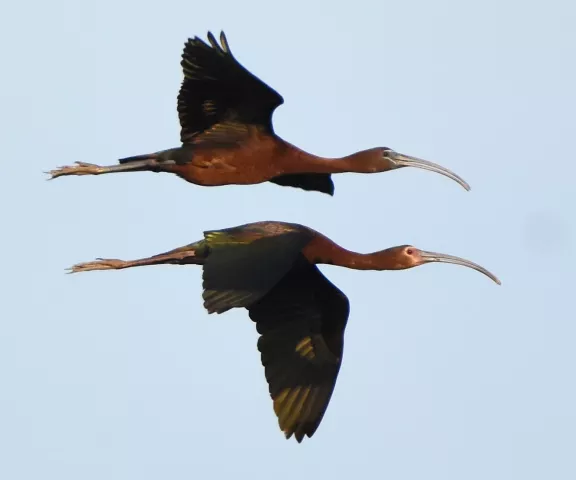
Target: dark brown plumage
(270, 268)
(227, 135)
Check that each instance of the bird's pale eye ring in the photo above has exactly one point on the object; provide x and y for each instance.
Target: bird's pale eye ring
(409, 251)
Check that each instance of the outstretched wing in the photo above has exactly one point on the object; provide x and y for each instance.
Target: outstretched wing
(301, 322)
(245, 262)
(320, 182)
(217, 89)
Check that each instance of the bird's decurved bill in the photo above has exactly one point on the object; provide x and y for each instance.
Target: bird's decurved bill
(402, 160)
(429, 257)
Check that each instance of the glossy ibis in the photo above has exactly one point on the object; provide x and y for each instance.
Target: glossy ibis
(227, 135)
(270, 268)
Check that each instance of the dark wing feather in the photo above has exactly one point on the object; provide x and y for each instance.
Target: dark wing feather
(217, 89)
(301, 322)
(320, 182)
(246, 262)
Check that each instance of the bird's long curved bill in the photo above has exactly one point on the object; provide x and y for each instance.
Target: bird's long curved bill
(407, 161)
(429, 257)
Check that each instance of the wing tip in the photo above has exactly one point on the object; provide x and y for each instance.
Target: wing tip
(299, 436)
(299, 432)
(222, 48)
(331, 189)
(309, 182)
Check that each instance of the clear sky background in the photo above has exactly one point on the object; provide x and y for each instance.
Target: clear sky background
(121, 375)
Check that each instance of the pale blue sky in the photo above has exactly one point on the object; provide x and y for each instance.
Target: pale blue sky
(120, 375)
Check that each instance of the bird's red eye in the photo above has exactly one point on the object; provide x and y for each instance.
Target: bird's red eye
(409, 251)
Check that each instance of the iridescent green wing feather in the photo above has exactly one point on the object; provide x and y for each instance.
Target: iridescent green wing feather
(301, 322)
(245, 262)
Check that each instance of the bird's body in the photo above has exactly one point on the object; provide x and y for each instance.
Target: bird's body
(270, 268)
(246, 163)
(227, 135)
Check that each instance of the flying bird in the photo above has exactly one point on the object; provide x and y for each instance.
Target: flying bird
(227, 135)
(271, 269)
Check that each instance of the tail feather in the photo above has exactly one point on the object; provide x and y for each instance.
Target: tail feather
(137, 158)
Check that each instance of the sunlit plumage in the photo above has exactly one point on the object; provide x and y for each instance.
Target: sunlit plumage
(227, 135)
(270, 268)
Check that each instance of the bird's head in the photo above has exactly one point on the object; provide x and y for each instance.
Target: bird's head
(407, 256)
(383, 159)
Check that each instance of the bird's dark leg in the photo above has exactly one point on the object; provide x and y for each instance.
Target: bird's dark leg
(81, 168)
(192, 254)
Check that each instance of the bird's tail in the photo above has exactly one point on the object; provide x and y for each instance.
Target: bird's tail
(138, 158)
(170, 156)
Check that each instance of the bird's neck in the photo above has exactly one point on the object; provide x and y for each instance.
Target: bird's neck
(322, 250)
(299, 161)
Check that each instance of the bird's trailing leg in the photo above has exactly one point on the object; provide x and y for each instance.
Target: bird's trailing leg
(192, 254)
(81, 168)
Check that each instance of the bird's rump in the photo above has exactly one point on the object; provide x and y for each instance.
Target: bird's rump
(301, 322)
(217, 89)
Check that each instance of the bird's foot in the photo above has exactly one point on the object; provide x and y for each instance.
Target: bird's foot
(98, 264)
(80, 168)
